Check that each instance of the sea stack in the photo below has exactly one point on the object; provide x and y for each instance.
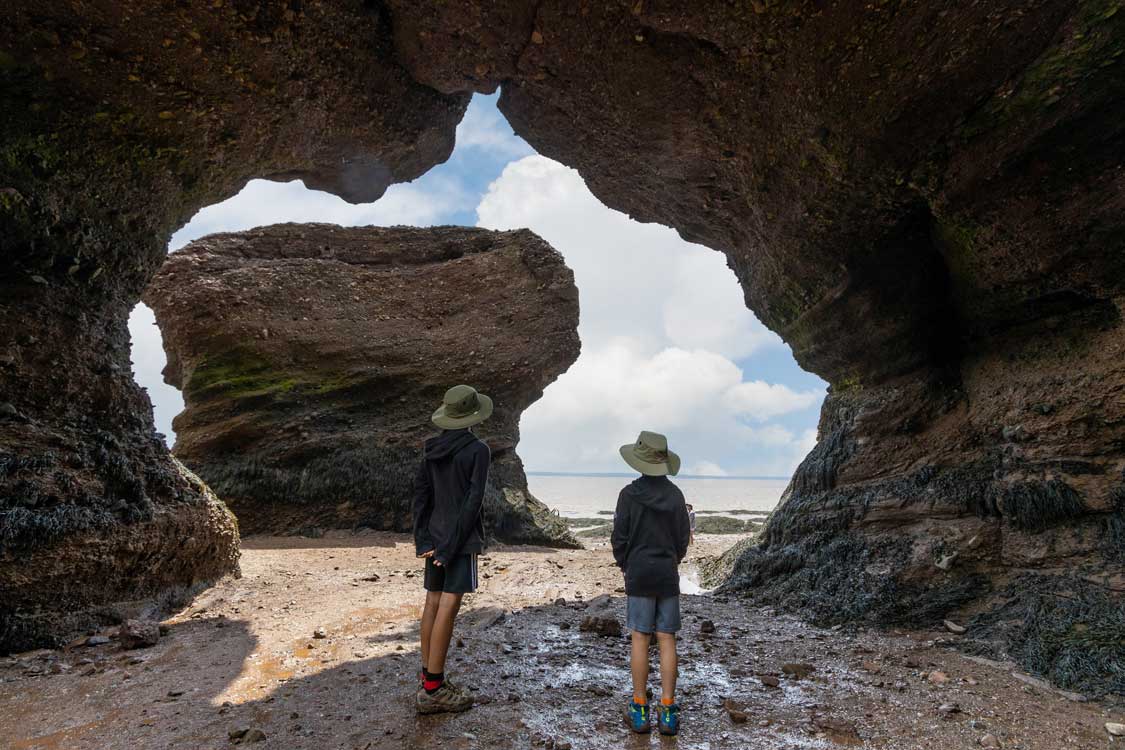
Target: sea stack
(311, 356)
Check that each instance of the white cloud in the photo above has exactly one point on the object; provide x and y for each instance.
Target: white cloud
(661, 321)
(617, 389)
(263, 202)
(637, 280)
(706, 469)
(760, 400)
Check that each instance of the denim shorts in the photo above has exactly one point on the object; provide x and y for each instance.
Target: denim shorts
(645, 614)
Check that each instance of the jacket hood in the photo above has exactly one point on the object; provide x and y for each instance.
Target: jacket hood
(652, 492)
(447, 443)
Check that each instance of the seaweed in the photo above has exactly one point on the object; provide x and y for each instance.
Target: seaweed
(837, 578)
(1036, 506)
(1113, 531)
(1066, 629)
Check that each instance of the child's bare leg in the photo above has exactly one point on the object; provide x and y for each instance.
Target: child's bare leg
(428, 614)
(442, 632)
(638, 663)
(669, 666)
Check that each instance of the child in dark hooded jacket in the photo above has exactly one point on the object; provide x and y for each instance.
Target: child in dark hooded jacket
(650, 538)
(448, 534)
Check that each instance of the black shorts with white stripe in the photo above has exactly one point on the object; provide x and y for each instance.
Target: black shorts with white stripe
(458, 577)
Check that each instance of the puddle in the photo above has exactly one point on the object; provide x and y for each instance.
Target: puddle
(689, 583)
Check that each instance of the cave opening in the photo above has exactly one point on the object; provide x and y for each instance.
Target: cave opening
(667, 342)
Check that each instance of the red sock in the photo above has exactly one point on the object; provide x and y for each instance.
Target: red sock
(433, 682)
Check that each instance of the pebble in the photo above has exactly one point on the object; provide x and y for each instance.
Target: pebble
(320, 633)
(937, 678)
(949, 708)
(706, 627)
(954, 628)
(1115, 729)
(247, 734)
(799, 670)
(770, 681)
(735, 712)
(989, 740)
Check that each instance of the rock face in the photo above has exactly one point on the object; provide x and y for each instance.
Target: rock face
(924, 199)
(311, 357)
(928, 203)
(121, 120)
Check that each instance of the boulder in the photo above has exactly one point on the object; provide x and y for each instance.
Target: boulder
(138, 634)
(606, 625)
(311, 357)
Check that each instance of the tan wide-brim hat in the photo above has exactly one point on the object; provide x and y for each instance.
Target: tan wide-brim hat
(650, 455)
(462, 407)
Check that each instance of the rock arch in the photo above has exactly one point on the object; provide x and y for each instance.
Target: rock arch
(925, 200)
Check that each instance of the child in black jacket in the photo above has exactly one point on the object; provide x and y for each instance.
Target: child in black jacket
(650, 537)
(448, 534)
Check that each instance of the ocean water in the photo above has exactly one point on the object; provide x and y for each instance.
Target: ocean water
(576, 495)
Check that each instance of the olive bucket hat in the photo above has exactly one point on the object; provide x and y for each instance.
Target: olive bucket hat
(650, 455)
(462, 407)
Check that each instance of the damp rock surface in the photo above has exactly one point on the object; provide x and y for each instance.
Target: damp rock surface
(311, 357)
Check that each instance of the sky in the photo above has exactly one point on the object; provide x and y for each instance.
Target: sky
(667, 341)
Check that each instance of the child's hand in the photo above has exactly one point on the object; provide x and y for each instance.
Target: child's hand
(427, 553)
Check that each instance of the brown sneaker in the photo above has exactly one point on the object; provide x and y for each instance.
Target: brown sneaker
(446, 699)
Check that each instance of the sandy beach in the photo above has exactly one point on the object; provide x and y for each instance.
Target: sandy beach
(316, 646)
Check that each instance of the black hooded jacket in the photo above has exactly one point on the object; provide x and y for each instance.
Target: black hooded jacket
(650, 536)
(448, 493)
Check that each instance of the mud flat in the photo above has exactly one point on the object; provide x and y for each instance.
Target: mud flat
(245, 656)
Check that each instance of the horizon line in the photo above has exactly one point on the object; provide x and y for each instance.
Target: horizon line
(529, 473)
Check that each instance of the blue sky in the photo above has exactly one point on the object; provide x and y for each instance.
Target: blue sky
(668, 344)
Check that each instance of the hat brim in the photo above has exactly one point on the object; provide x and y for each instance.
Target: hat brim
(446, 422)
(672, 466)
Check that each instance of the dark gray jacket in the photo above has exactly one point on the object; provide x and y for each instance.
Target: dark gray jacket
(448, 494)
(650, 536)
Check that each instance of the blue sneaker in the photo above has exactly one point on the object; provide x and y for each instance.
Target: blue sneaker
(668, 719)
(638, 718)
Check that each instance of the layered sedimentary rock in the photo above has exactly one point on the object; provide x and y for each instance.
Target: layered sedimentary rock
(311, 356)
(121, 119)
(924, 199)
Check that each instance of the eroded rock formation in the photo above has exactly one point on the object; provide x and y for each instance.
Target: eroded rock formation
(924, 199)
(927, 201)
(311, 357)
(121, 119)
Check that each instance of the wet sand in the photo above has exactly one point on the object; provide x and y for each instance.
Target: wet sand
(244, 656)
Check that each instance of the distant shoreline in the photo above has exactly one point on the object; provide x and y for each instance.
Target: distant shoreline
(633, 474)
